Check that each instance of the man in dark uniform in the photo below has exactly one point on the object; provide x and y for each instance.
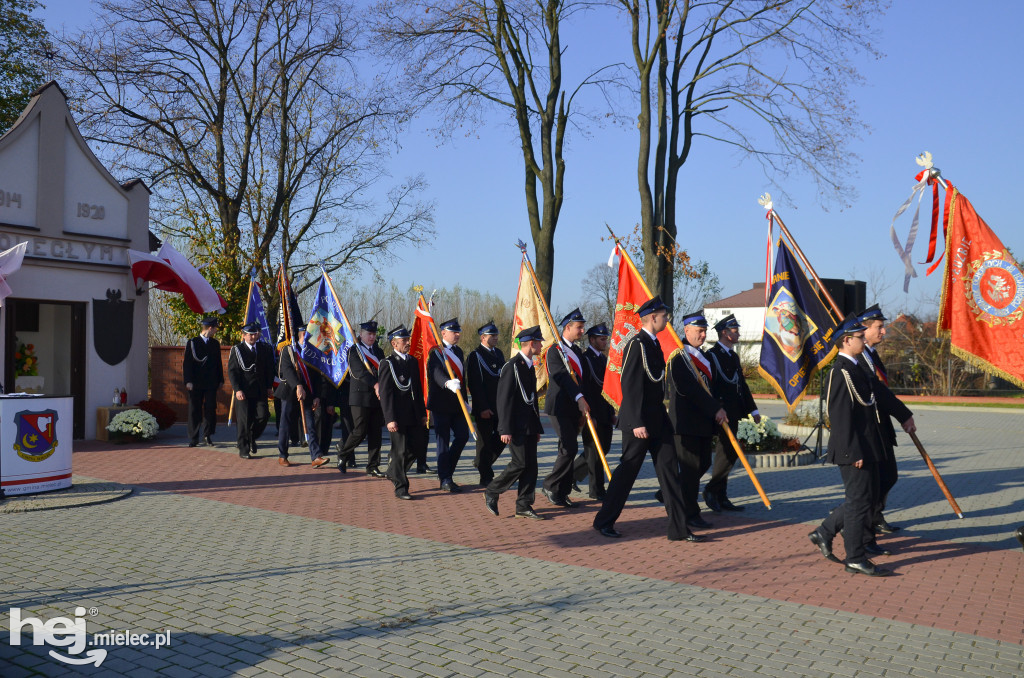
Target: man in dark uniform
(298, 391)
(645, 428)
(889, 407)
(694, 412)
(601, 412)
(251, 372)
(401, 398)
(855, 445)
(204, 375)
(519, 425)
(367, 418)
(482, 368)
(730, 387)
(566, 405)
(450, 427)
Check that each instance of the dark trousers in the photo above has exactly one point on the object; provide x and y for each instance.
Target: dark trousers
(559, 481)
(887, 476)
(634, 450)
(202, 411)
(589, 464)
(488, 447)
(253, 415)
(405, 442)
(324, 419)
(694, 455)
(853, 517)
(345, 422)
(366, 425)
(725, 459)
(522, 467)
(285, 433)
(449, 448)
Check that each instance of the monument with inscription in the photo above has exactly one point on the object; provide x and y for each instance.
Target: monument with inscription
(75, 325)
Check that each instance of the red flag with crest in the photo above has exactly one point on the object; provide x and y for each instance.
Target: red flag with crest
(423, 341)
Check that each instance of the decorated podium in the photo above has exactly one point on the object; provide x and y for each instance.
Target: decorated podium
(35, 443)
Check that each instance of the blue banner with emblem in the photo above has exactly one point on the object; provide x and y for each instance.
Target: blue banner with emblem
(798, 330)
(255, 313)
(328, 336)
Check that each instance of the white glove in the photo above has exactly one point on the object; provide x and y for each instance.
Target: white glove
(453, 385)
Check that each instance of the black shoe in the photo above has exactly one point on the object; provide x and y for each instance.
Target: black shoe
(252, 451)
(568, 503)
(876, 550)
(575, 487)
(867, 568)
(403, 495)
(448, 486)
(341, 467)
(1020, 536)
(375, 472)
(660, 497)
(492, 504)
(528, 513)
(554, 499)
(597, 495)
(823, 545)
(697, 521)
(729, 506)
(689, 537)
(424, 469)
(609, 532)
(192, 444)
(883, 527)
(712, 502)
(245, 455)
(209, 441)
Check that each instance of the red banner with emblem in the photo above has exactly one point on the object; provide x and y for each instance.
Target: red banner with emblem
(633, 292)
(423, 341)
(982, 294)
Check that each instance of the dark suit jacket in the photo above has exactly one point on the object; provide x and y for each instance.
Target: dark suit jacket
(729, 385)
(440, 399)
(691, 407)
(363, 380)
(482, 369)
(291, 378)
(643, 388)
(563, 388)
(601, 411)
(252, 375)
(401, 395)
(517, 399)
(889, 405)
(201, 365)
(853, 428)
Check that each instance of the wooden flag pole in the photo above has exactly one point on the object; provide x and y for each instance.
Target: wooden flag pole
(728, 432)
(938, 478)
(447, 365)
(565, 361)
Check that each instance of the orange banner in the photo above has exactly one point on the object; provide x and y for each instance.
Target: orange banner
(982, 294)
(423, 342)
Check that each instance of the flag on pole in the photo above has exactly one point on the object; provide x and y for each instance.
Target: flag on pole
(10, 261)
(798, 329)
(529, 312)
(982, 294)
(329, 336)
(423, 341)
(255, 312)
(169, 270)
(291, 324)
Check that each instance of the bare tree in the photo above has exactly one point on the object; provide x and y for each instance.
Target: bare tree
(769, 79)
(600, 289)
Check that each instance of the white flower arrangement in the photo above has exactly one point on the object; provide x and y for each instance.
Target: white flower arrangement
(135, 423)
(756, 433)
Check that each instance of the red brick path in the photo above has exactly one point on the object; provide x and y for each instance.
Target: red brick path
(945, 585)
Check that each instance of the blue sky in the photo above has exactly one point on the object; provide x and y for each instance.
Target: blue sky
(949, 83)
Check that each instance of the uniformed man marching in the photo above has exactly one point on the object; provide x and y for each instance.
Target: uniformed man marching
(251, 371)
(298, 390)
(450, 427)
(401, 400)
(730, 387)
(367, 418)
(482, 368)
(204, 375)
(601, 412)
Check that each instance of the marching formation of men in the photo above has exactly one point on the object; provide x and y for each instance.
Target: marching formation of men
(705, 391)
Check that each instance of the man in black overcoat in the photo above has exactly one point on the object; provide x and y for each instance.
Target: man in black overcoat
(450, 426)
(298, 391)
(364, 402)
(204, 375)
(401, 399)
(601, 412)
(482, 367)
(251, 372)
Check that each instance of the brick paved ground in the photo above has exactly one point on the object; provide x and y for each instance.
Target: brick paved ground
(263, 570)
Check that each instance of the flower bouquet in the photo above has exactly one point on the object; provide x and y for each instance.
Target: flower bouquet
(26, 364)
(763, 437)
(132, 425)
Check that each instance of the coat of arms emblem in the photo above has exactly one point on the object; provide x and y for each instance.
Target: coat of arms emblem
(37, 434)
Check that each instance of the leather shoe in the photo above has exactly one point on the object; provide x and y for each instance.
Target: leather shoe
(711, 501)
(341, 467)
(192, 444)
(492, 505)
(568, 503)
(575, 487)
(209, 441)
(424, 469)
(283, 461)
(1020, 536)
(689, 537)
(824, 546)
(597, 495)
(867, 568)
(245, 455)
(883, 527)
(403, 495)
(447, 486)
(528, 513)
(553, 498)
(609, 532)
(729, 506)
(319, 461)
(660, 497)
(697, 521)
(375, 472)
(876, 550)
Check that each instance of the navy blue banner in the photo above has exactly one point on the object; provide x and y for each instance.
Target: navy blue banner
(329, 336)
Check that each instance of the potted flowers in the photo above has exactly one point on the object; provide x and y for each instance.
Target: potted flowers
(764, 445)
(132, 425)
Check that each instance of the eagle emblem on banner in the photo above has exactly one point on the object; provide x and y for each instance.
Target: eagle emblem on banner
(994, 286)
(37, 434)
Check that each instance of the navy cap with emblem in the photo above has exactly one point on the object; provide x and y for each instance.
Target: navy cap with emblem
(400, 332)
(599, 330)
(451, 325)
(574, 316)
(210, 321)
(652, 305)
(850, 325)
(252, 328)
(531, 334)
(729, 322)
(695, 318)
(489, 328)
(369, 326)
(872, 312)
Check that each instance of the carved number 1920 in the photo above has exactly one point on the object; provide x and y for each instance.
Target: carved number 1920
(87, 211)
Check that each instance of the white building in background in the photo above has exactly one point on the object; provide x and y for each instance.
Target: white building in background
(748, 307)
(74, 299)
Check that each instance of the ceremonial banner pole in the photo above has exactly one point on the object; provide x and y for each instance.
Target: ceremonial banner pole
(447, 365)
(938, 478)
(728, 432)
(248, 298)
(558, 345)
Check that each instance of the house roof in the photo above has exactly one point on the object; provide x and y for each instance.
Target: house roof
(754, 297)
